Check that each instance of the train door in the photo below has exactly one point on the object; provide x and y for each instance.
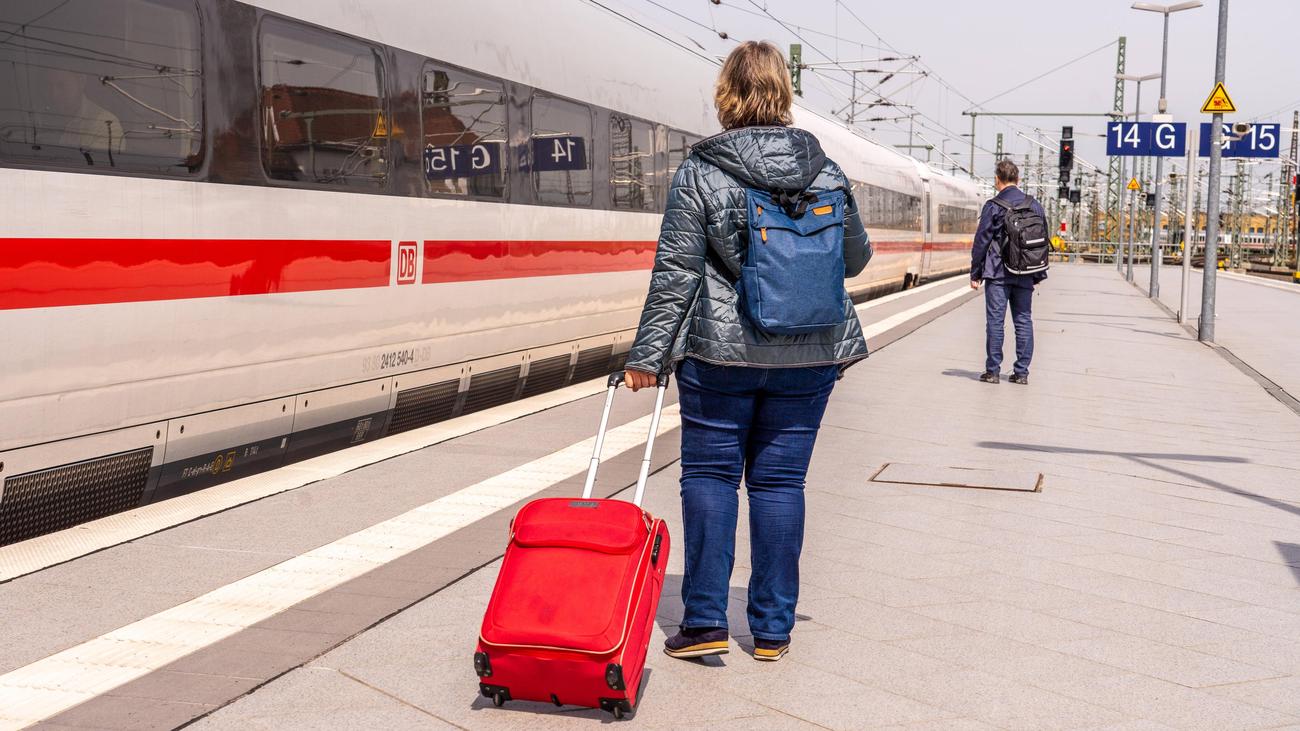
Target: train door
(927, 248)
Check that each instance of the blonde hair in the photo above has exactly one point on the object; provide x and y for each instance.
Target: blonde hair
(754, 87)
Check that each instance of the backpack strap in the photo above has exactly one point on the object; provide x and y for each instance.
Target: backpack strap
(1000, 203)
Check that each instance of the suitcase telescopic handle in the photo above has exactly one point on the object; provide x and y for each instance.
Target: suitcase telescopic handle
(616, 380)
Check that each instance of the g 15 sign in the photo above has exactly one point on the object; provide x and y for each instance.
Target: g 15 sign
(1261, 141)
(462, 161)
(1147, 139)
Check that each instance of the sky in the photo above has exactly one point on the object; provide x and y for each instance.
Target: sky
(979, 49)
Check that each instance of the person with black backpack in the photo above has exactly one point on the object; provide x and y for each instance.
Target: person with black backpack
(1009, 257)
(747, 304)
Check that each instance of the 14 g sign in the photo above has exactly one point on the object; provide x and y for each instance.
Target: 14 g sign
(1146, 139)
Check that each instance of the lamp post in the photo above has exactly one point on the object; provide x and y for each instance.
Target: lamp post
(1153, 290)
(1132, 216)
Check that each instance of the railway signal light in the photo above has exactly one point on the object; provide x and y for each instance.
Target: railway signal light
(1076, 196)
(1066, 160)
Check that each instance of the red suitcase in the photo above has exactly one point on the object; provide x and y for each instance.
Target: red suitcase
(574, 604)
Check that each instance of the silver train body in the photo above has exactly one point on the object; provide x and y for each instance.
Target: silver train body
(197, 284)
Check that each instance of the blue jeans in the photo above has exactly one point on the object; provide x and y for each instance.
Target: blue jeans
(997, 294)
(760, 423)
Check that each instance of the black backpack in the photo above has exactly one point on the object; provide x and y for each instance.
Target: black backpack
(1025, 248)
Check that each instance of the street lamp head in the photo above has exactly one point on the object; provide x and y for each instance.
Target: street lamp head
(1136, 77)
(1167, 9)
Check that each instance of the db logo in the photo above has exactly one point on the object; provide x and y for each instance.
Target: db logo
(406, 262)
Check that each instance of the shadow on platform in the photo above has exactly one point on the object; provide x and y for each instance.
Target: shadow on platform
(1148, 459)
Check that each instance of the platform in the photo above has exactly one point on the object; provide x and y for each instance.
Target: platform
(1258, 319)
(1151, 582)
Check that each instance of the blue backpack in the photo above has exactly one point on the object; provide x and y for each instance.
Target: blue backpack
(792, 281)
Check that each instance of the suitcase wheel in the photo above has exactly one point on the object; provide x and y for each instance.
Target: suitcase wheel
(498, 694)
(616, 706)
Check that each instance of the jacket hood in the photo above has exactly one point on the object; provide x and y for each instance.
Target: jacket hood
(768, 158)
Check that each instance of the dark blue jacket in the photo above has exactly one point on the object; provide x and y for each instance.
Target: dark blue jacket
(986, 255)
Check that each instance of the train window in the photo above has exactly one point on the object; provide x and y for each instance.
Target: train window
(102, 85)
(679, 148)
(632, 163)
(884, 208)
(463, 127)
(322, 108)
(955, 220)
(561, 141)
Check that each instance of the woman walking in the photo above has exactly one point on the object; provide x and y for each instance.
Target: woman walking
(751, 400)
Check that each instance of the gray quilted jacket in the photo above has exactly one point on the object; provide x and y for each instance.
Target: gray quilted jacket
(692, 310)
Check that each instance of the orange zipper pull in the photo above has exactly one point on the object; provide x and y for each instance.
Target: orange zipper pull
(763, 231)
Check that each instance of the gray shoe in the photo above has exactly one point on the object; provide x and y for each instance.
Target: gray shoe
(1022, 380)
(989, 377)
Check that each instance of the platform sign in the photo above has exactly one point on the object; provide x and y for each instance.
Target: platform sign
(1263, 140)
(462, 161)
(562, 152)
(1146, 139)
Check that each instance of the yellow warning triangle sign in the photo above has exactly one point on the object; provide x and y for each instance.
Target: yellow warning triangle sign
(1219, 101)
(1134, 185)
(381, 127)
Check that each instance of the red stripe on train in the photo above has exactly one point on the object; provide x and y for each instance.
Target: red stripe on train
(472, 261)
(37, 272)
(59, 272)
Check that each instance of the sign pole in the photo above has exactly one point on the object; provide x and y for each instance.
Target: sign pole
(1189, 217)
(1157, 253)
(1205, 330)
(1132, 233)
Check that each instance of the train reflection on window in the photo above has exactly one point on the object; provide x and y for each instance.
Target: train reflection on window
(323, 115)
(632, 164)
(559, 156)
(463, 121)
(883, 208)
(111, 85)
(679, 147)
(954, 220)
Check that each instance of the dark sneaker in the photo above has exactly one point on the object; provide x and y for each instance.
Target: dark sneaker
(1022, 380)
(989, 377)
(770, 650)
(697, 642)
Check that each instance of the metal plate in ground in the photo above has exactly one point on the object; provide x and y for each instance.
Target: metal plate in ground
(984, 479)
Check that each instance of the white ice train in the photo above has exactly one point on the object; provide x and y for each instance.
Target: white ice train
(238, 234)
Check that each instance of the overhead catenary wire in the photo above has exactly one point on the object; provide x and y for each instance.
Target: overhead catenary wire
(711, 28)
(1047, 73)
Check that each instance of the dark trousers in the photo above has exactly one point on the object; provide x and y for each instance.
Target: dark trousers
(998, 293)
(759, 423)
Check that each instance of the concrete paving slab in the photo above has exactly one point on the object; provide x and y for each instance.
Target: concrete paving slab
(317, 698)
(1171, 704)
(1175, 664)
